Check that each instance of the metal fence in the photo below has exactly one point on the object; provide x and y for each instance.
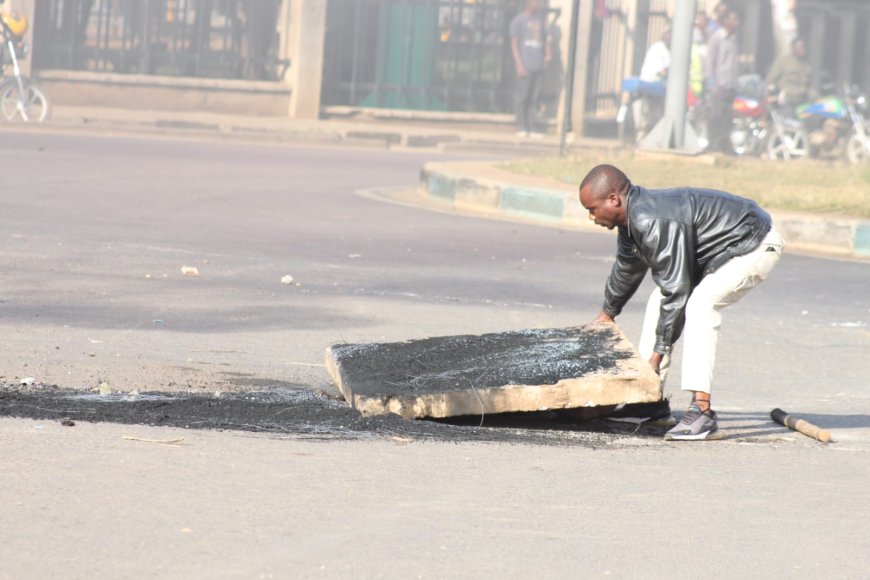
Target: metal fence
(448, 55)
(199, 38)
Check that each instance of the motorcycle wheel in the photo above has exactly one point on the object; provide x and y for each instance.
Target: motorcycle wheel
(33, 108)
(856, 152)
(790, 143)
(742, 138)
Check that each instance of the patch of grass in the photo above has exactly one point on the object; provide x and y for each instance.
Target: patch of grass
(809, 186)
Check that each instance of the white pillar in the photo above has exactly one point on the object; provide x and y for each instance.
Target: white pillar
(27, 8)
(584, 33)
(303, 28)
(673, 132)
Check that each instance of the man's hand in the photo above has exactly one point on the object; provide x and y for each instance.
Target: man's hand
(521, 70)
(655, 361)
(603, 318)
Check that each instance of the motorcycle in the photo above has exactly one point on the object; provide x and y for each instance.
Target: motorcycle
(20, 98)
(761, 126)
(837, 126)
(749, 125)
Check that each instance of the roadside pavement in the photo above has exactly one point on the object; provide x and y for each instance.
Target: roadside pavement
(395, 132)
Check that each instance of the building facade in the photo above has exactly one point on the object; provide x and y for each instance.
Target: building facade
(304, 58)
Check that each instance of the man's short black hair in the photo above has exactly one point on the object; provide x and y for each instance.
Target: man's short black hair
(604, 179)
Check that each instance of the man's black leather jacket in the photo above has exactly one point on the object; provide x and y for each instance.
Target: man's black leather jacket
(681, 235)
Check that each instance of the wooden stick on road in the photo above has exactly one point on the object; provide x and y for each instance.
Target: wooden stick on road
(800, 425)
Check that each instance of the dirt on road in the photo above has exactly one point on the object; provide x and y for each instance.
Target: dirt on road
(306, 414)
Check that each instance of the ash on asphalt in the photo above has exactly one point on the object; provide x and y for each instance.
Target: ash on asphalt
(302, 413)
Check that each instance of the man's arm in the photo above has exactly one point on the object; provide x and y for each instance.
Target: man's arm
(515, 32)
(669, 248)
(664, 61)
(518, 60)
(625, 277)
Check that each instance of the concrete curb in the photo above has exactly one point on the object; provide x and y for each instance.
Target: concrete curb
(466, 187)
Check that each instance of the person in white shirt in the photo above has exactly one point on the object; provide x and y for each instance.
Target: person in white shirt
(649, 108)
(657, 60)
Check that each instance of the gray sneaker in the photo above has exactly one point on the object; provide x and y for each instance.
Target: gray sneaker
(695, 426)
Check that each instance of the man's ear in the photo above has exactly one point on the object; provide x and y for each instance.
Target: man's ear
(614, 199)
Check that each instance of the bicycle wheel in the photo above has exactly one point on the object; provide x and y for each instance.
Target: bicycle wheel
(33, 108)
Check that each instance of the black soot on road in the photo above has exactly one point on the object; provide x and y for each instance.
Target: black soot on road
(303, 413)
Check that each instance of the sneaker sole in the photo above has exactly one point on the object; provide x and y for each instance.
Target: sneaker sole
(707, 436)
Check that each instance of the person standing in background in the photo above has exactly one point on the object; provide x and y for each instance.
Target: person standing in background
(650, 108)
(720, 72)
(531, 53)
(715, 23)
(791, 75)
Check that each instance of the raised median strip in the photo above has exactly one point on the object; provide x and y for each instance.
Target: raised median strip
(540, 203)
(484, 188)
(862, 239)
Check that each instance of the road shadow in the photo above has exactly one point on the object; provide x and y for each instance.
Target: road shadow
(759, 425)
(591, 420)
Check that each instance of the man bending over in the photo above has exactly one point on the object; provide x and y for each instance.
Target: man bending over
(705, 250)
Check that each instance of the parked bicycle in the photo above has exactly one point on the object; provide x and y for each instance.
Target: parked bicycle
(20, 99)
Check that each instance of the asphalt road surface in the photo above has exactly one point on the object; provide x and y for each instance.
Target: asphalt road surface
(95, 233)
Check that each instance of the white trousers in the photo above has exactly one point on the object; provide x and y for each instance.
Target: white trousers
(722, 288)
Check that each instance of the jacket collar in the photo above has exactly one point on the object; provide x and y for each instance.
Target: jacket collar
(633, 191)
